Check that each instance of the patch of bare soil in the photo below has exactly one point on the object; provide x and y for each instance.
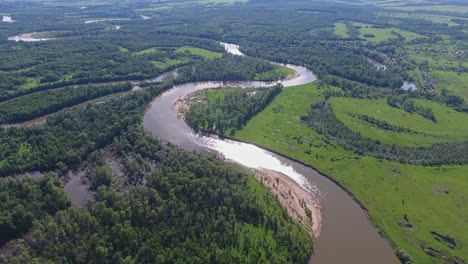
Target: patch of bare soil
(300, 204)
(183, 103)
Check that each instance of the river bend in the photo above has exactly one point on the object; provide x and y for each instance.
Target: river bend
(347, 235)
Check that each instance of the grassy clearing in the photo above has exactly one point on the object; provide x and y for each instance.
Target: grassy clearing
(433, 198)
(122, 49)
(440, 19)
(383, 34)
(30, 83)
(146, 51)
(456, 83)
(168, 63)
(39, 35)
(451, 125)
(341, 29)
(205, 54)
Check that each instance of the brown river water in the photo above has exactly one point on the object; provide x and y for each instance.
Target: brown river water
(347, 235)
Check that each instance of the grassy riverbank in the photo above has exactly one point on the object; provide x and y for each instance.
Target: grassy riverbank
(431, 198)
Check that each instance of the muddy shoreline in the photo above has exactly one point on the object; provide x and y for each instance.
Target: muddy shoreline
(341, 186)
(292, 197)
(297, 201)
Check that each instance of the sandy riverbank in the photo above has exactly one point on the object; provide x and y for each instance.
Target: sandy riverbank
(300, 204)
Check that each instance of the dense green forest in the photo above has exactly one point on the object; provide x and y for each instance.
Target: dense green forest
(192, 208)
(227, 110)
(67, 138)
(30, 67)
(233, 68)
(25, 200)
(42, 103)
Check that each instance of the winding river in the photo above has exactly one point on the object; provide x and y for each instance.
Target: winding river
(346, 236)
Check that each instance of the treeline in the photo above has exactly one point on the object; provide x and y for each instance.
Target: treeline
(383, 124)
(25, 200)
(445, 97)
(233, 68)
(451, 100)
(405, 103)
(228, 110)
(323, 120)
(351, 88)
(39, 104)
(32, 67)
(68, 137)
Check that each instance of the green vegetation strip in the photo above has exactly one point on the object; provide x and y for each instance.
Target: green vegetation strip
(42, 103)
(233, 68)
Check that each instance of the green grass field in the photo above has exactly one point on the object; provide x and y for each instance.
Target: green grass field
(146, 51)
(433, 198)
(341, 29)
(30, 83)
(383, 34)
(49, 34)
(456, 83)
(450, 126)
(205, 54)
